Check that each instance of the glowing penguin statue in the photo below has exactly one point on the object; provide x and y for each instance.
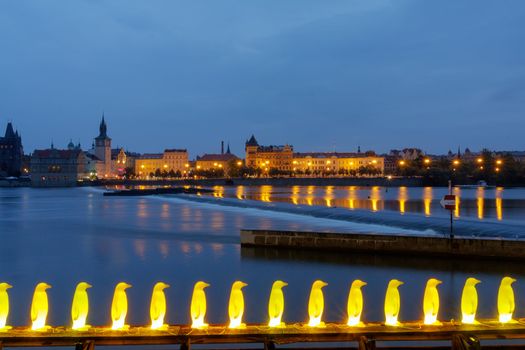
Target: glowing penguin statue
(39, 307)
(355, 303)
(469, 301)
(119, 307)
(392, 303)
(236, 305)
(80, 307)
(316, 304)
(157, 309)
(506, 300)
(431, 302)
(4, 306)
(198, 305)
(276, 304)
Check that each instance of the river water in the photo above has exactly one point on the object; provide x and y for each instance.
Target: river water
(64, 236)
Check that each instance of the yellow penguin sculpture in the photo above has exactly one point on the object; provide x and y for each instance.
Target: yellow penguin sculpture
(469, 301)
(431, 302)
(157, 309)
(4, 306)
(392, 303)
(198, 305)
(119, 307)
(80, 307)
(236, 305)
(276, 304)
(39, 307)
(316, 304)
(506, 300)
(355, 303)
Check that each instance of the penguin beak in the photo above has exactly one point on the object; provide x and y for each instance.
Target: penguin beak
(476, 281)
(325, 284)
(244, 284)
(438, 282)
(400, 283)
(206, 285)
(128, 286)
(363, 284)
(512, 280)
(47, 286)
(166, 285)
(285, 284)
(8, 286)
(88, 285)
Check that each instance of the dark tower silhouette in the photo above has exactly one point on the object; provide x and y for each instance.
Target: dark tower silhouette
(11, 152)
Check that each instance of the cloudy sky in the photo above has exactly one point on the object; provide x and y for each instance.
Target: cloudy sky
(321, 75)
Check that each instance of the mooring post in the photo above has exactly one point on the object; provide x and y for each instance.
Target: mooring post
(366, 344)
(86, 345)
(465, 342)
(185, 345)
(269, 345)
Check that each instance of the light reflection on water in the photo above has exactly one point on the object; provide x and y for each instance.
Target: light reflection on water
(481, 203)
(63, 236)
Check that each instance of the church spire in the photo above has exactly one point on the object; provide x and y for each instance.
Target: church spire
(103, 128)
(228, 149)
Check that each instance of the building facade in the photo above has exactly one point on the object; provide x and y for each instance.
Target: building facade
(122, 162)
(338, 163)
(268, 157)
(11, 152)
(171, 161)
(57, 168)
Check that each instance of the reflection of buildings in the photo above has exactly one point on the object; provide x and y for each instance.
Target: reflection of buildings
(11, 152)
(171, 161)
(57, 167)
(268, 157)
(336, 162)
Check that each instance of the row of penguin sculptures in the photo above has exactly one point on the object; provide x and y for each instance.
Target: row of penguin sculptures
(392, 304)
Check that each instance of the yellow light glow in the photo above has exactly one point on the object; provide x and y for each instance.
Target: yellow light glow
(39, 307)
(431, 302)
(276, 304)
(506, 303)
(80, 307)
(354, 306)
(4, 306)
(392, 303)
(479, 160)
(469, 301)
(236, 305)
(401, 162)
(157, 309)
(455, 162)
(499, 162)
(239, 163)
(316, 304)
(119, 307)
(198, 305)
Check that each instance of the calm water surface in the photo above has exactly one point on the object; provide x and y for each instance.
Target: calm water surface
(63, 236)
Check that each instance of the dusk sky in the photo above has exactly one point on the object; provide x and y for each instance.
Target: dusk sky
(320, 75)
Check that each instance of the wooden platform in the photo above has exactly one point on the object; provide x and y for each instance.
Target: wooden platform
(184, 336)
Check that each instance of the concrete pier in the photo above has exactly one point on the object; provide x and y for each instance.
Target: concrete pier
(386, 244)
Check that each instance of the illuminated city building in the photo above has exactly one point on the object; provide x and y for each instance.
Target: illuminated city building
(268, 157)
(338, 163)
(57, 167)
(122, 160)
(102, 151)
(171, 161)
